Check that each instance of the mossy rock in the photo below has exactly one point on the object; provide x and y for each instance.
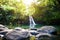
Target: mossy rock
(32, 38)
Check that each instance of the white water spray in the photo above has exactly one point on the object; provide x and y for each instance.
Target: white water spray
(32, 23)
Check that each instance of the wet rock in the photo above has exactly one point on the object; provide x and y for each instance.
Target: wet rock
(48, 29)
(33, 32)
(43, 36)
(34, 29)
(41, 31)
(3, 29)
(17, 35)
(18, 28)
(1, 36)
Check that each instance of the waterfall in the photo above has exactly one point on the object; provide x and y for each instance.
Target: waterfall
(32, 22)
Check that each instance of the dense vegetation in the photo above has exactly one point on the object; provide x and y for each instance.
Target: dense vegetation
(44, 12)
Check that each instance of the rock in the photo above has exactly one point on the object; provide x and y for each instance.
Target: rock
(33, 32)
(49, 29)
(1, 36)
(41, 31)
(3, 29)
(3, 32)
(34, 29)
(32, 38)
(43, 36)
(18, 28)
(17, 35)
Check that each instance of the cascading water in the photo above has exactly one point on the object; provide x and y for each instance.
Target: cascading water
(32, 23)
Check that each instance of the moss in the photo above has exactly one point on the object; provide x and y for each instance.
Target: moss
(32, 38)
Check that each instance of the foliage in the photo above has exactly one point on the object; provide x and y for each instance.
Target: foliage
(16, 12)
(47, 11)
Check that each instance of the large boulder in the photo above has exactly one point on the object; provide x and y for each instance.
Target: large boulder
(48, 29)
(44, 36)
(33, 31)
(17, 35)
(19, 29)
(3, 29)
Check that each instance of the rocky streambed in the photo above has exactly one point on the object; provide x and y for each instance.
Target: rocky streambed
(43, 33)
